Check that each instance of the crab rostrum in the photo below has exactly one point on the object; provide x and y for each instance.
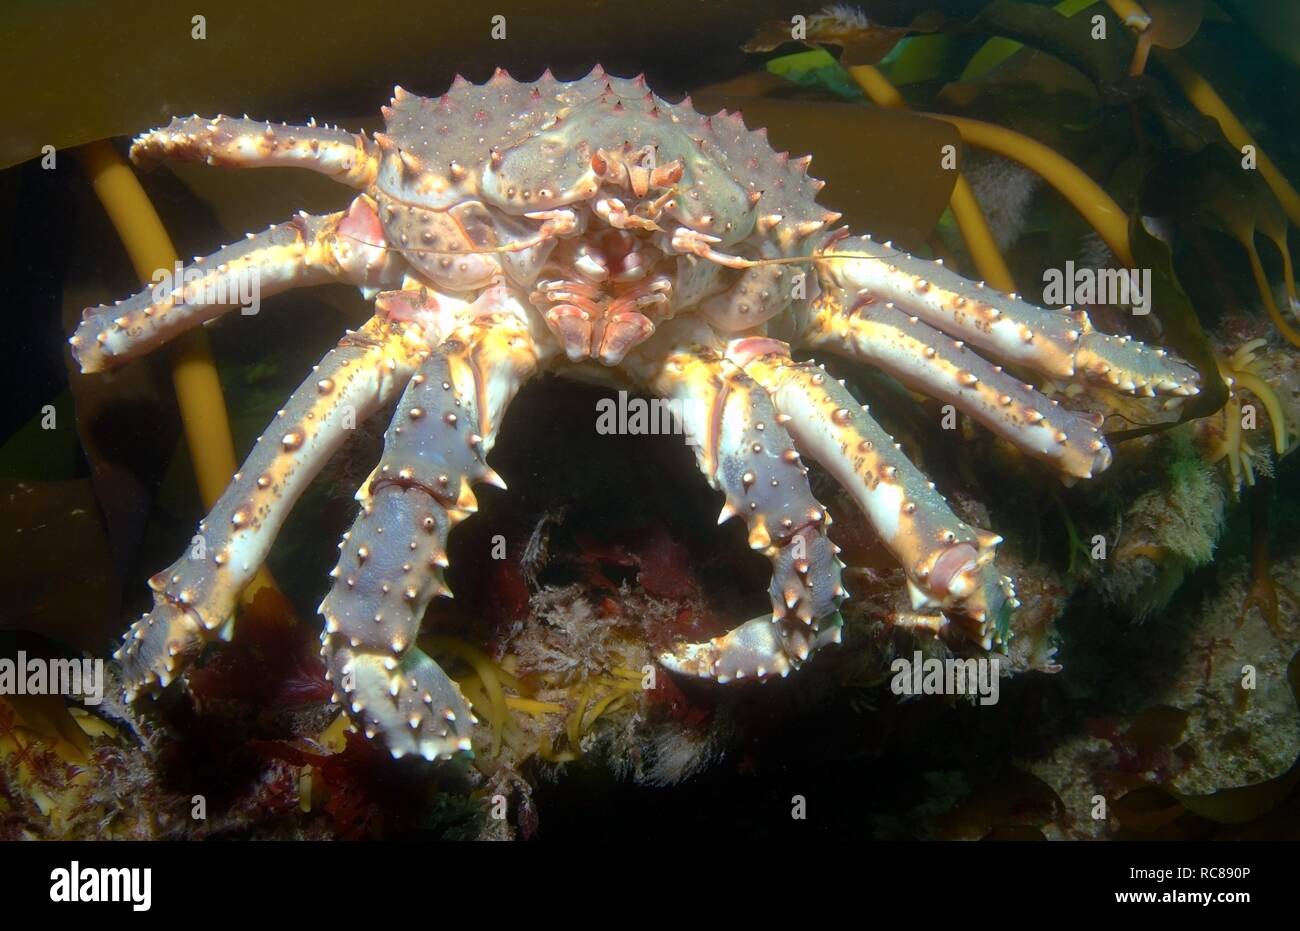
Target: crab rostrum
(513, 228)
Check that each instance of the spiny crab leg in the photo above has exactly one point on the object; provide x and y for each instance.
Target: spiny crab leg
(1060, 344)
(949, 564)
(935, 364)
(744, 450)
(307, 250)
(197, 595)
(243, 143)
(391, 561)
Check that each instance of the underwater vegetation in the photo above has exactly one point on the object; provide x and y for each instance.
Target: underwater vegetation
(1147, 654)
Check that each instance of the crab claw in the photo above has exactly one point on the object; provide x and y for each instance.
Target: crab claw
(761, 648)
(415, 705)
(752, 650)
(158, 647)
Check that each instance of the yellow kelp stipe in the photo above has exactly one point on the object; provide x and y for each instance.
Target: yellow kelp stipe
(194, 374)
(1085, 195)
(1207, 100)
(965, 208)
(1241, 371)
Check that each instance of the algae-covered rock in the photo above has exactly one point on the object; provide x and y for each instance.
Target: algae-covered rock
(1165, 533)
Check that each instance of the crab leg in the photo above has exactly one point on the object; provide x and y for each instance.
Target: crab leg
(307, 250)
(949, 564)
(743, 449)
(243, 143)
(937, 365)
(392, 559)
(196, 596)
(1060, 344)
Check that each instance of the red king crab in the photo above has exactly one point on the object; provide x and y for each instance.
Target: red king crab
(512, 228)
